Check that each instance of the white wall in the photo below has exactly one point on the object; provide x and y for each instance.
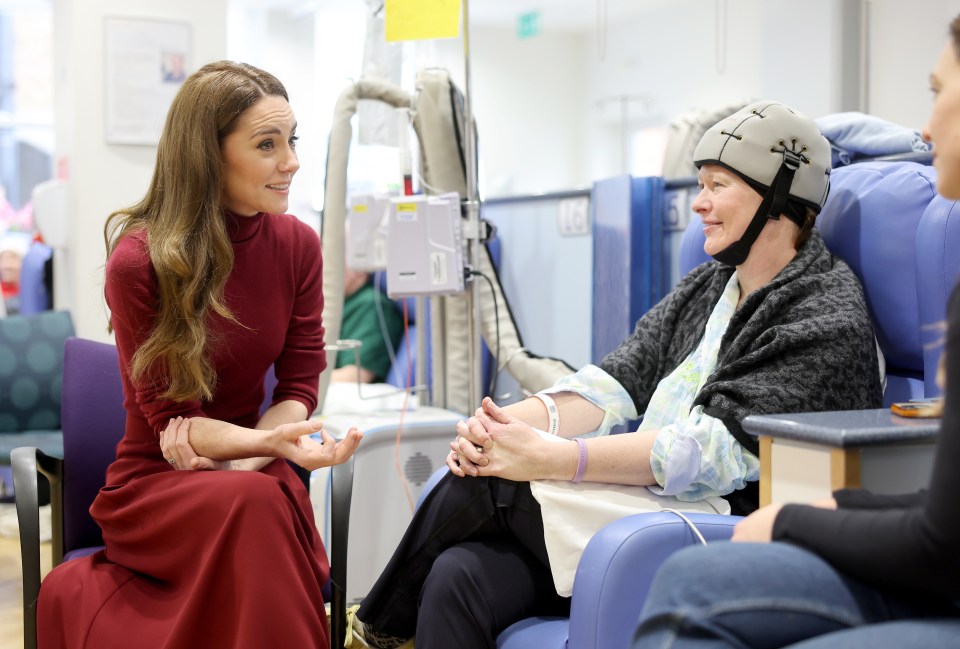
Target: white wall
(528, 98)
(283, 44)
(102, 177)
(535, 114)
(906, 38)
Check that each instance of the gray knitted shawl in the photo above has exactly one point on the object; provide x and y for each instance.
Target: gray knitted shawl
(804, 342)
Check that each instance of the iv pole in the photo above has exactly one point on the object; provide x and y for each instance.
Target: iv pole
(472, 203)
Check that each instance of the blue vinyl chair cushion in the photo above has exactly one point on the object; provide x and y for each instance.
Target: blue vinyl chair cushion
(938, 264)
(34, 297)
(870, 220)
(31, 370)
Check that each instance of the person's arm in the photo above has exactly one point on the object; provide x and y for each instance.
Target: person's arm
(518, 452)
(914, 548)
(469, 450)
(697, 457)
(227, 446)
(591, 399)
(297, 370)
(176, 444)
(863, 499)
(131, 294)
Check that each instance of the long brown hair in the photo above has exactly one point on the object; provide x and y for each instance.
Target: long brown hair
(182, 216)
(955, 35)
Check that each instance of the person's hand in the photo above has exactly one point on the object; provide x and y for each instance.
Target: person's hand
(466, 451)
(168, 442)
(758, 526)
(295, 444)
(176, 449)
(511, 448)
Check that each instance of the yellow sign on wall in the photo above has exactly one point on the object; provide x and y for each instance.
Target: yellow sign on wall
(414, 20)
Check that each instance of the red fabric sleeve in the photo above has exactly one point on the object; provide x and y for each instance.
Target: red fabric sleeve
(303, 349)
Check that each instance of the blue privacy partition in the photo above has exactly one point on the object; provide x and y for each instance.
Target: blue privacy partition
(628, 256)
(638, 226)
(577, 296)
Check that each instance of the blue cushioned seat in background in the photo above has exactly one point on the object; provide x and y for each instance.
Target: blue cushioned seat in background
(31, 372)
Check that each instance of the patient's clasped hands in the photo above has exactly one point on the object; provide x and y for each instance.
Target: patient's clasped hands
(494, 443)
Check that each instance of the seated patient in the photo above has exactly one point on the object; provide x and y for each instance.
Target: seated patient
(859, 570)
(364, 309)
(775, 324)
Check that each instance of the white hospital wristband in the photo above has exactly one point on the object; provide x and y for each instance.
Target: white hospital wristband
(553, 413)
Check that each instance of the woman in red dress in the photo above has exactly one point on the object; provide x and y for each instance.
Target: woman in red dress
(210, 537)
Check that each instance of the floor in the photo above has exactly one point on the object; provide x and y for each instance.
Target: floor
(11, 590)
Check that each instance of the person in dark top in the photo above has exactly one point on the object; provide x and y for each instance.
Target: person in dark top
(775, 324)
(858, 570)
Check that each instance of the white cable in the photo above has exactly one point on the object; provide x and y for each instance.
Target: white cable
(689, 524)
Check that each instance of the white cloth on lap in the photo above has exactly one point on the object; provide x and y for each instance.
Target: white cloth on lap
(574, 512)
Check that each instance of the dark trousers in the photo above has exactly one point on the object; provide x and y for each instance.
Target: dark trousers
(471, 563)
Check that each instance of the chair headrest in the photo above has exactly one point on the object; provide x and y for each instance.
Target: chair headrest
(870, 221)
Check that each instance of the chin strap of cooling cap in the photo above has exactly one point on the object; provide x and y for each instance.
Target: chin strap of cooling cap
(774, 202)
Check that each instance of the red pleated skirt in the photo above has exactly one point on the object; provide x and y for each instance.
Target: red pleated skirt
(219, 559)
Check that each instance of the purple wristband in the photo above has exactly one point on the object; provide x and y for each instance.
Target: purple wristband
(581, 459)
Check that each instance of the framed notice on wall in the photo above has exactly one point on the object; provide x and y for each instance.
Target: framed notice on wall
(146, 61)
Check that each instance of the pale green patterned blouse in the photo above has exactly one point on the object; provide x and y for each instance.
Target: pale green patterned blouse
(693, 456)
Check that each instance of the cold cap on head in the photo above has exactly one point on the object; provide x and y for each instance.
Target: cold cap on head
(755, 142)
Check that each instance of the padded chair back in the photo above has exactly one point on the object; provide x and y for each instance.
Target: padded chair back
(938, 264)
(31, 364)
(34, 297)
(94, 420)
(691, 253)
(870, 221)
(93, 424)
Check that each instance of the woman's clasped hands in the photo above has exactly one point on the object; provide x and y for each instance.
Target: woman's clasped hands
(494, 443)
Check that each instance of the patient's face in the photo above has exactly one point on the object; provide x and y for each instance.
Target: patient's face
(943, 127)
(726, 205)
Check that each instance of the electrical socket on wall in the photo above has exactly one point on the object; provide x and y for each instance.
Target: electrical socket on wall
(573, 216)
